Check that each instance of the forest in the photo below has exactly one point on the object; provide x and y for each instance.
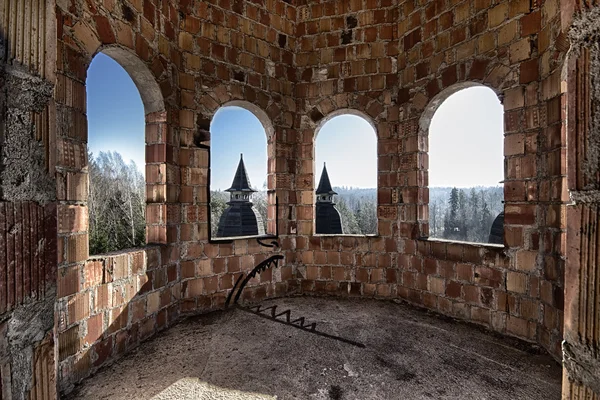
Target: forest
(117, 207)
(464, 214)
(116, 203)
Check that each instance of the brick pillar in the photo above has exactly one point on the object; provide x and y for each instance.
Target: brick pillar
(581, 344)
(156, 177)
(28, 226)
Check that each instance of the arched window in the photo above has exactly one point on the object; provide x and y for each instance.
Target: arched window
(346, 175)
(238, 171)
(466, 167)
(116, 148)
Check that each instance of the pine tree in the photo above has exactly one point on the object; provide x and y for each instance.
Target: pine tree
(433, 219)
(486, 222)
(349, 222)
(451, 223)
(366, 217)
(462, 216)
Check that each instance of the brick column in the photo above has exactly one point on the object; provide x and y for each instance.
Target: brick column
(581, 344)
(156, 177)
(28, 258)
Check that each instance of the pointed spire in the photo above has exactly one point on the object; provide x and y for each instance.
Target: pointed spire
(324, 184)
(241, 182)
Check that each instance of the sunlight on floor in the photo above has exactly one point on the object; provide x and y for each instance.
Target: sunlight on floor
(195, 389)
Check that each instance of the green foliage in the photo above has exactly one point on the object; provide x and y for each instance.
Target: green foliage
(218, 204)
(116, 204)
(452, 225)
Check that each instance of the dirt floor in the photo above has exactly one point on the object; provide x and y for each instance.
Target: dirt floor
(407, 354)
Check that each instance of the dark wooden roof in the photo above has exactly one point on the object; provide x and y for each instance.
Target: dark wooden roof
(324, 184)
(328, 220)
(240, 219)
(241, 181)
(497, 231)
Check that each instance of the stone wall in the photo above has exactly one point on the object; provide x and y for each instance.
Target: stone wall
(27, 297)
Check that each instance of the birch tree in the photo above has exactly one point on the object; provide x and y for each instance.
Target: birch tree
(116, 203)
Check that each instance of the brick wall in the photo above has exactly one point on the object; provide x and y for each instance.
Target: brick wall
(28, 236)
(234, 53)
(580, 101)
(187, 60)
(294, 66)
(27, 293)
(395, 62)
(27, 251)
(504, 46)
(109, 304)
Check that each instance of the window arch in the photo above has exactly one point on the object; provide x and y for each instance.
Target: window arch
(345, 171)
(124, 103)
(239, 171)
(464, 127)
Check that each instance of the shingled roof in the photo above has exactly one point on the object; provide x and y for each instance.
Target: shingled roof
(324, 184)
(241, 181)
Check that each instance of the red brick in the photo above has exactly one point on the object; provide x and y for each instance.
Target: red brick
(529, 71)
(478, 69)
(449, 76)
(531, 23)
(411, 39)
(105, 32)
(95, 328)
(68, 281)
(453, 289)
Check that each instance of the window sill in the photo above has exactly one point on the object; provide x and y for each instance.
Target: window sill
(123, 251)
(374, 235)
(491, 246)
(234, 238)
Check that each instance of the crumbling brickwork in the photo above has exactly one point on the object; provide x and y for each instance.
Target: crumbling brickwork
(27, 206)
(581, 345)
(296, 64)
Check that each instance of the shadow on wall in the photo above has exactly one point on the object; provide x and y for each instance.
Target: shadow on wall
(130, 295)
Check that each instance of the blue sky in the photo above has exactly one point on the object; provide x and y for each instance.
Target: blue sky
(234, 131)
(115, 111)
(348, 144)
(465, 136)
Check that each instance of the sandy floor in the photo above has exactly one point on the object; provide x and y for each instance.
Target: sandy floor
(408, 354)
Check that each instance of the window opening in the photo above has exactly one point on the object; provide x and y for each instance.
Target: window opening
(116, 145)
(238, 157)
(346, 169)
(466, 168)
